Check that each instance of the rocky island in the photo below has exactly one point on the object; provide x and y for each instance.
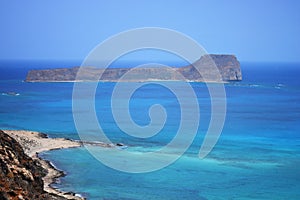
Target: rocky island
(227, 65)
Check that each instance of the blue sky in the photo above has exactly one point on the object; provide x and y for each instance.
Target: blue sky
(254, 30)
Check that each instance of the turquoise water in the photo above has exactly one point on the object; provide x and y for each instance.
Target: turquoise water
(256, 157)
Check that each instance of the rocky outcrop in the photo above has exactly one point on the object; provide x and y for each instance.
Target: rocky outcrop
(228, 70)
(227, 65)
(20, 175)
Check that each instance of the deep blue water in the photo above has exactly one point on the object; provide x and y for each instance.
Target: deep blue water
(256, 157)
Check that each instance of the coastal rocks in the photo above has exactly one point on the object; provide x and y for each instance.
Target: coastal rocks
(20, 175)
(121, 146)
(227, 65)
(10, 93)
(32, 143)
(24, 175)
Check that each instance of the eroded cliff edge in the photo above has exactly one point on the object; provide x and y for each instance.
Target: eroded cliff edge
(228, 69)
(20, 175)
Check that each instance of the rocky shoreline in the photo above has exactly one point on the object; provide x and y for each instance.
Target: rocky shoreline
(24, 174)
(27, 145)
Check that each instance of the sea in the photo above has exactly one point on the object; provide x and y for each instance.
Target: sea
(257, 155)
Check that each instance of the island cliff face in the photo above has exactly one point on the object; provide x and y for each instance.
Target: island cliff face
(227, 65)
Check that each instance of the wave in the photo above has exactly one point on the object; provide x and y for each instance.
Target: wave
(252, 85)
